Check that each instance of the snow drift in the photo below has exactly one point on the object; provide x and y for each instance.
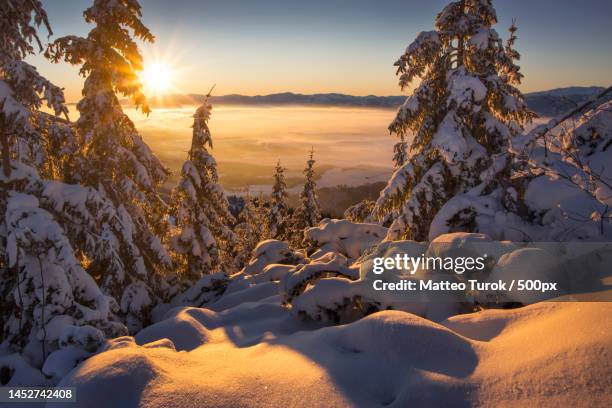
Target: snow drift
(547, 354)
(251, 345)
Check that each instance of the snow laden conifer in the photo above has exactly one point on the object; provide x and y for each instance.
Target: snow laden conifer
(359, 212)
(91, 231)
(400, 152)
(400, 157)
(204, 241)
(277, 213)
(49, 301)
(113, 158)
(309, 213)
(570, 153)
(50, 232)
(27, 134)
(249, 230)
(461, 117)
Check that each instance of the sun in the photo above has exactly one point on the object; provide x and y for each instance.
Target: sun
(157, 78)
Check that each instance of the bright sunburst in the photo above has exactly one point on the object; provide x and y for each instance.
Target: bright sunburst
(157, 78)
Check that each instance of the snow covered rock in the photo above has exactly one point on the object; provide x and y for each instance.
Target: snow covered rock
(333, 301)
(331, 264)
(206, 290)
(434, 307)
(448, 244)
(269, 252)
(329, 292)
(271, 273)
(465, 244)
(343, 237)
(529, 264)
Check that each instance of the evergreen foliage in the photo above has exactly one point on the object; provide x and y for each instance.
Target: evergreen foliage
(308, 214)
(204, 241)
(462, 116)
(277, 213)
(48, 230)
(249, 229)
(26, 134)
(113, 158)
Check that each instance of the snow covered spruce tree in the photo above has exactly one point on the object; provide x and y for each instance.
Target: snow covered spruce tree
(249, 231)
(359, 212)
(570, 153)
(27, 134)
(400, 152)
(204, 241)
(277, 213)
(461, 116)
(113, 158)
(309, 213)
(48, 301)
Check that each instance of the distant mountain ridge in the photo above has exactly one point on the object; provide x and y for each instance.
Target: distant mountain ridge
(285, 98)
(557, 101)
(545, 103)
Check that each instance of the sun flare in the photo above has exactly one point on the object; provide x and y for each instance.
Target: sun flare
(157, 78)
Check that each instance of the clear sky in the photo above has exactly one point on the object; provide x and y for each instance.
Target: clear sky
(349, 46)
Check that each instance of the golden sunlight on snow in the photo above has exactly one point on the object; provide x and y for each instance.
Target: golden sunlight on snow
(551, 353)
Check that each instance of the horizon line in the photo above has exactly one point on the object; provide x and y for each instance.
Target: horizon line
(260, 95)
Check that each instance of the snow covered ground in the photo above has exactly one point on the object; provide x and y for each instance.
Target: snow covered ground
(252, 346)
(255, 354)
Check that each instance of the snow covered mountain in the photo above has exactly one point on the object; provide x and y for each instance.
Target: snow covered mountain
(557, 101)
